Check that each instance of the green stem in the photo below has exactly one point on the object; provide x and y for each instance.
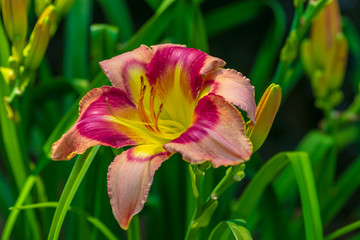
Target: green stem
(133, 233)
(76, 176)
(300, 25)
(205, 210)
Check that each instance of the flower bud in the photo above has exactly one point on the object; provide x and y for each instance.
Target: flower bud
(39, 39)
(265, 114)
(324, 55)
(16, 24)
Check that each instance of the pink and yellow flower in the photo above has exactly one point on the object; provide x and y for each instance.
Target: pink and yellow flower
(164, 99)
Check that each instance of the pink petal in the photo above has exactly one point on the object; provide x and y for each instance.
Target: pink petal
(235, 88)
(177, 73)
(130, 176)
(124, 71)
(217, 134)
(177, 66)
(97, 125)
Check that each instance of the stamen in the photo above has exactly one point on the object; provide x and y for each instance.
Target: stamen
(141, 110)
(158, 116)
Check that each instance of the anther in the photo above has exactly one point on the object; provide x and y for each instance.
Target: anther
(158, 116)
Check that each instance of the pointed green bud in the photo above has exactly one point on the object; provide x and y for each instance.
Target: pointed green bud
(39, 39)
(16, 24)
(265, 114)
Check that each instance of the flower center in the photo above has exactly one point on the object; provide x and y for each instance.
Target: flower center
(166, 129)
(160, 129)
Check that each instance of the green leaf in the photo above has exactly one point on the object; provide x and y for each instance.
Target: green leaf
(154, 4)
(232, 229)
(345, 187)
(344, 230)
(189, 27)
(310, 206)
(118, 14)
(252, 193)
(151, 31)
(76, 40)
(76, 176)
(5, 48)
(231, 15)
(319, 147)
(352, 35)
(95, 221)
(102, 44)
(269, 50)
(304, 177)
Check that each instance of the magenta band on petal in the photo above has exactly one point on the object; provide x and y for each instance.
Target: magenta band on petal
(97, 124)
(217, 134)
(163, 66)
(129, 179)
(235, 88)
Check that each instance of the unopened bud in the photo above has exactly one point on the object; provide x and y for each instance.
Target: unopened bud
(16, 24)
(265, 114)
(39, 39)
(324, 55)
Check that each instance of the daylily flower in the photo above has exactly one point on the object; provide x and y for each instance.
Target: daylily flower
(164, 99)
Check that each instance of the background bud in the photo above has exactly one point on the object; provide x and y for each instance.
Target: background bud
(16, 24)
(39, 39)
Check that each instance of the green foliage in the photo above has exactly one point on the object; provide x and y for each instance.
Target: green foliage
(235, 229)
(301, 184)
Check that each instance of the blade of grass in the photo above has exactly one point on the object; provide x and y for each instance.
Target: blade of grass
(318, 146)
(118, 14)
(301, 165)
(344, 230)
(76, 40)
(5, 48)
(344, 188)
(266, 58)
(21, 199)
(77, 174)
(230, 15)
(6, 196)
(102, 44)
(95, 221)
(304, 177)
(18, 163)
(251, 195)
(353, 38)
(198, 38)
